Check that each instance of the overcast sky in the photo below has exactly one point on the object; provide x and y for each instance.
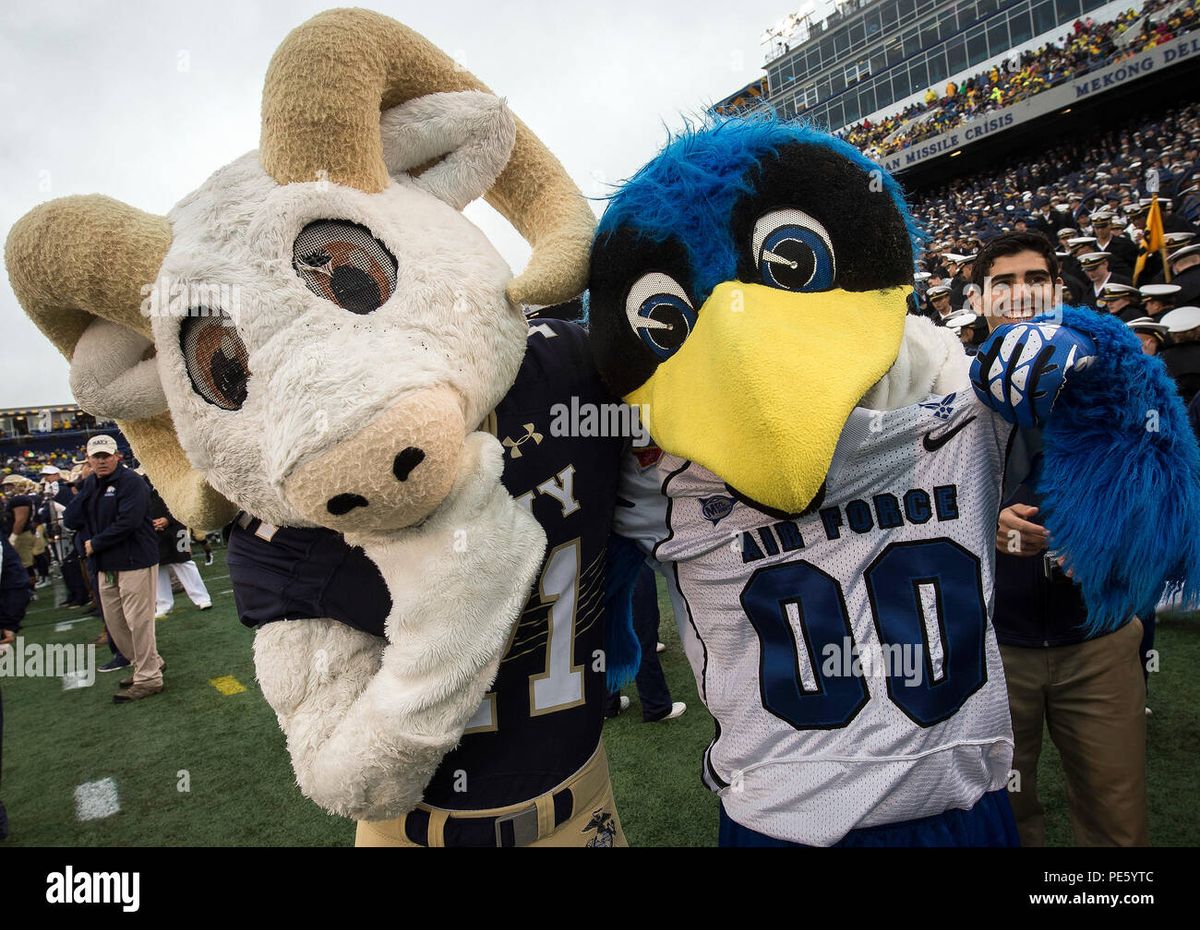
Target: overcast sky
(143, 100)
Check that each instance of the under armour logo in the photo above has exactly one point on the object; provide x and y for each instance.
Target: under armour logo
(515, 444)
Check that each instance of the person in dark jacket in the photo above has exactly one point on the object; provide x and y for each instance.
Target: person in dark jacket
(18, 519)
(1089, 690)
(112, 511)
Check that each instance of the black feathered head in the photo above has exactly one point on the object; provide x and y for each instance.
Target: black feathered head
(748, 286)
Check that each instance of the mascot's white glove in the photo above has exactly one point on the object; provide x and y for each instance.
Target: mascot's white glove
(368, 722)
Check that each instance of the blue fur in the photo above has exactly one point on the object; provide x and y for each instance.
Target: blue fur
(622, 651)
(692, 185)
(1122, 502)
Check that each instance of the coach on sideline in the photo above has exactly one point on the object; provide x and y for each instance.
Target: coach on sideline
(112, 513)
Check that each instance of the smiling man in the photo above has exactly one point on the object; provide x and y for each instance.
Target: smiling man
(1016, 278)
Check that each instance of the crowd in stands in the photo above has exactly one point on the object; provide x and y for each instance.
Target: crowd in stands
(29, 461)
(1068, 182)
(1087, 47)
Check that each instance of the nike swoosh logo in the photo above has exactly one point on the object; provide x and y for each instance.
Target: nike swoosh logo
(932, 443)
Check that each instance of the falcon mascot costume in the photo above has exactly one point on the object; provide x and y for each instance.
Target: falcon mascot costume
(830, 478)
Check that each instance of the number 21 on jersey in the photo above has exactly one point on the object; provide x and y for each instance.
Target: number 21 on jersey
(560, 686)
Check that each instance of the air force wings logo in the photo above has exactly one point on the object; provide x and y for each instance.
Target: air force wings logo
(717, 507)
(942, 409)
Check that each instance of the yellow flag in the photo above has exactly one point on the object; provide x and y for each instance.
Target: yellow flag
(1152, 241)
(1154, 228)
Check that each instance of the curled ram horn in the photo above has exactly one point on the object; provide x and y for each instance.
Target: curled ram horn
(317, 128)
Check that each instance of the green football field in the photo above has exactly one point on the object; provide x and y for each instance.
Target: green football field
(204, 763)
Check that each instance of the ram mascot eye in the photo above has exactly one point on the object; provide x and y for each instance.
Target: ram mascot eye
(660, 312)
(793, 251)
(345, 264)
(218, 363)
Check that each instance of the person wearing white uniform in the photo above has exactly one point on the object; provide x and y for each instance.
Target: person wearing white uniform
(175, 556)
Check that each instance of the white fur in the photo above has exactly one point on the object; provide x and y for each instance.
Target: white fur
(474, 130)
(366, 722)
(367, 728)
(318, 372)
(931, 360)
(110, 376)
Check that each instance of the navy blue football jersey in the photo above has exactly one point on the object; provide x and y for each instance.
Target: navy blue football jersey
(541, 721)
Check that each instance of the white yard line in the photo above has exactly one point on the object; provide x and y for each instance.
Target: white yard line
(95, 800)
(79, 679)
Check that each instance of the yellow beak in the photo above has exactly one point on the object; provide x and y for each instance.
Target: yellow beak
(760, 391)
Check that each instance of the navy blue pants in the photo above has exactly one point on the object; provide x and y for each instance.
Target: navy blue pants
(72, 574)
(989, 823)
(651, 683)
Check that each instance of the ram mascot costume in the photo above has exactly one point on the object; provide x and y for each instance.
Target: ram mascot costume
(831, 475)
(317, 349)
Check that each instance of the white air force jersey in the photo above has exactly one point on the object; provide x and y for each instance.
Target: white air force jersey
(847, 654)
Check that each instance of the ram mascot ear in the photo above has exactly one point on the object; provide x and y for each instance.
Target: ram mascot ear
(81, 268)
(461, 140)
(318, 124)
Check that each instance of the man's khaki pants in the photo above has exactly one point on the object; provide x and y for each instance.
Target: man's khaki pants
(1092, 697)
(128, 606)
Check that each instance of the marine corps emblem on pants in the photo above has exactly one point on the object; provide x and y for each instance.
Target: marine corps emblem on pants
(606, 830)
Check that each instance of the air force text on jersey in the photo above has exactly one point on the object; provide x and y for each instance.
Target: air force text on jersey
(899, 662)
(886, 511)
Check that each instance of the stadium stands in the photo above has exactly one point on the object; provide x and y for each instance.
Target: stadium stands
(1087, 47)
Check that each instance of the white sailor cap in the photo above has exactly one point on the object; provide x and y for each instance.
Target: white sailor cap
(1181, 319)
(1147, 324)
(1185, 251)
(1159, 291)
(1114, 291)
(959, 320)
